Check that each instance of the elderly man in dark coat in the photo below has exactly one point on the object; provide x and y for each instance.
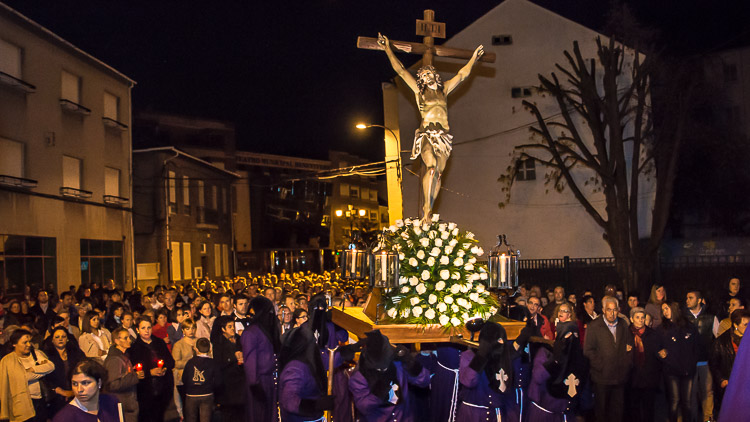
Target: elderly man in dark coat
(260, 347)
(380, 385)
(122, 380)
(609, 346)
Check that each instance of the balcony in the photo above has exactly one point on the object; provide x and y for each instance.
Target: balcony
(208, 219)
(75, 108)
(17, 182)
(115, 200)
(17, 84)
(114, 124)
(75, 193)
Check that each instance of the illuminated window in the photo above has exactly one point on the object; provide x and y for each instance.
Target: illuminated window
(71, 172)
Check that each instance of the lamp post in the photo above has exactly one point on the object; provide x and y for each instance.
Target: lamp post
(392, 171)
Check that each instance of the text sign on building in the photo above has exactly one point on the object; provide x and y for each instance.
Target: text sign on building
(430, 29)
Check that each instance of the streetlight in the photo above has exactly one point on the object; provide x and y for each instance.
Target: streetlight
(393, 178)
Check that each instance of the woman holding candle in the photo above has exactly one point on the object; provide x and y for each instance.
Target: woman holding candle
(151, 356)
(89, 405)
(228, 357)
(122, 378)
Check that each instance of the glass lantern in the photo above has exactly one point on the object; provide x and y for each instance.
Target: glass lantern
(353, 263)
(384, 269)
(503, 266)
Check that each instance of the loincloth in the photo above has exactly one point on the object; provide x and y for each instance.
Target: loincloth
(440, 140)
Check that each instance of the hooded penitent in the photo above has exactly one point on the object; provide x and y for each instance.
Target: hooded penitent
(318, 308)
(376, 364)
(300, 345)
(567, 366)
(264, 317)
(499, 369)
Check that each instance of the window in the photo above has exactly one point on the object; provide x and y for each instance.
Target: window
(214, 197)
(502, 39)
(730, 72)
(172, 187)
(526, 170)
(354, 192)
(111, 181)
(111, 107)
(10, 59)
(71, 87)
(27, 261)
(175, 260)
(71, 172)
(373, 195)
(365, 192)
(374, 215)
(217, 260)
(520, 92)
(186, 194)
(344, 189)
(187, 265)
(101, 260)
(11, 157)
(225, 258)
(201, 194)
(224, 203)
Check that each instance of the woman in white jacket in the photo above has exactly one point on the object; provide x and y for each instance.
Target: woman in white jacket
(95, 340)
(20, 372)
(204, 320)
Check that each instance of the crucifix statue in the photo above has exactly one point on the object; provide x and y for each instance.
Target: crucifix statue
(432, 140)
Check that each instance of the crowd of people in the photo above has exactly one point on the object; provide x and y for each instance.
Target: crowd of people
(264, 348)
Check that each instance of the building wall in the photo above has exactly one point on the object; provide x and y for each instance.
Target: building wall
(48, 133)
(487, 123)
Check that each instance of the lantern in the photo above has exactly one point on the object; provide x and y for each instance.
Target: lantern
(384, 269)
(353, 262)
(503, 266)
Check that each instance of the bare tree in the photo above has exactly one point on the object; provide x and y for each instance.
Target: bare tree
(605, 131)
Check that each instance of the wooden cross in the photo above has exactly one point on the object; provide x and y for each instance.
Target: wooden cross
(502, 377)
(429, 29)
(571, 382)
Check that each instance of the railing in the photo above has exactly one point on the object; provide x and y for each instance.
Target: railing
(207, 218)
(75, 193)
(112, 123)
(17, 182)
(115, 200)
(74, 107)
(16, 83)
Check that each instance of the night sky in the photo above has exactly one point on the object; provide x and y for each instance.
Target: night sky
(288, 73)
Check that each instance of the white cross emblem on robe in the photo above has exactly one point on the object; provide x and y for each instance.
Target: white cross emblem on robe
(571, 382)
(502, 377)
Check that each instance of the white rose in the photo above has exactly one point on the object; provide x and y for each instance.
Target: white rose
(425, 242)
(481, 301)
(465, 316)
(480, 252)
(409, 243)
(417, 231)
(458, 262)
(474, 297)
(399, 223)
(413, 262)
(393, 229)
(438, 242)
(416, 311)
(455, 308)
(469, 235)
(425, 227)
(405, 313)
(420, 254)
(466, 304)
(473, 260)
(404, 289)
(474, 277)
(432, 299)
(444, 319)
(430, 314)
(421, 289)
(493, 310)
(460, 253)
(474, 249)
(451, 226)
(469, 267)
(405, 235)
(455, 322)
(392, 313)
(483, 276)
(453, 242)
(440, 285)
(445, 274)
(430, 261)
(435, 251)
(461, 301)
(442, 227)
(456, 276)
(442, 307)
(455, 289)
(402, 280)
(414, 300)
(444, 260)
(448, 299)
(448, 250)
(432, 234)
(455, 231)
(480, 288)
(401, 256)
(413, 280)
(444, 235)
(425, 275)
(435, 218)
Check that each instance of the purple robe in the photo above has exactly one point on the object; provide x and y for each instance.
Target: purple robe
(108, 412)
(736, 406)
(261, 368)
(477, 400)
(295, 384)
(444, 384)
(342, 407)
(543, 406)
(374, 409)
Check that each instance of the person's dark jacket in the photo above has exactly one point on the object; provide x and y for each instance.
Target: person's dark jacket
(201, 376)
(45, 317)
(611, 360)
(648, 375)
(704, 322)
(722, 356)
(148, 355)
(122, 382)
(232, 390)
(683, 348)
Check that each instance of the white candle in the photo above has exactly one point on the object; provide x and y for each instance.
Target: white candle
(119, 410)
(503, 276)
(354, 262)
(383, 264)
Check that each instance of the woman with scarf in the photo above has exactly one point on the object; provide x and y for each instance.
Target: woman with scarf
(643, 385)
(64, 354)
(260, 347)
(558, 378)
(156, 389)
(724, 352)
(303, 382)
(228, 357)
(486, 375)
(380, 385)
(680, 356)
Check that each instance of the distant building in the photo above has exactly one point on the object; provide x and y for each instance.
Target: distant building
(182, 217)
(65, 162)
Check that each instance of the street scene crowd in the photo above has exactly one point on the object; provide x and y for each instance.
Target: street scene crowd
(260, 349)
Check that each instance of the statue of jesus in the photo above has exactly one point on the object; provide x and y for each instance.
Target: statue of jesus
(432, 140)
